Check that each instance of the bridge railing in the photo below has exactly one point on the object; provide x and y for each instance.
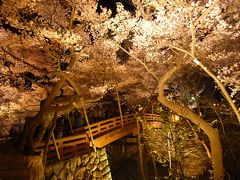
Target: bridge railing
(79, 142)
(152, 117)
(154, 120)
(68, 147)
(107, 125)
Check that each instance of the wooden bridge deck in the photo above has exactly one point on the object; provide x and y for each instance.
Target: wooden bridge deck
(104, 133)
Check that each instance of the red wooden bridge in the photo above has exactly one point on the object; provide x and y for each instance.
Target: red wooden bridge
(103, 133)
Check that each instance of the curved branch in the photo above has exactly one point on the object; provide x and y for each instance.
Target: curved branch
(59, 84)
(216, 150)
(72, 14)
(72, 82)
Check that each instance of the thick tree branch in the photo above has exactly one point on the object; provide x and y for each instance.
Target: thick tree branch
(216, 150)
(60, 83)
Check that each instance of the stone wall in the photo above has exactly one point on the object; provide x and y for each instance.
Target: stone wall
(86, 167)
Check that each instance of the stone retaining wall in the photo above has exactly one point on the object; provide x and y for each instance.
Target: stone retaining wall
(88, 166)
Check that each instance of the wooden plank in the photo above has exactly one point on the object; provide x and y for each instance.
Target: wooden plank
(55, 145)
(74, 143)
(76, 137)
(60, 149)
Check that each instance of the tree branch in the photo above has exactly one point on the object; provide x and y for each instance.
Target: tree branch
(205, 13)
(221, 86)
(216, 150)
(72, 14)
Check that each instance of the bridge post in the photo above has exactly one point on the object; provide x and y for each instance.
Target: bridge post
(55, 145)
(60, 148)
(119, 107)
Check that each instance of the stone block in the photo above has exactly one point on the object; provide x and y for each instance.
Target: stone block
(73, 164)
(89, 166)
(97, 174)
(79, 174)
(106, 170)
(102, 165)
(85, 159)
(79, 162)
(67, 165)
(62, 174)
(96, 161)
(57, 167)
(91, 161)
(102, 151)
(70, 176)
(108, 176)
(93, 154)
(94, 167)
(103, 157)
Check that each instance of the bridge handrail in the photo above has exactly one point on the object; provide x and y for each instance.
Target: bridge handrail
(152, 117)
(73, 145)
(106, 125)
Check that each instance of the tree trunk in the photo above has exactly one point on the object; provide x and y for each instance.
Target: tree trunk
(216, 150)
(140, 153)
(21, 167)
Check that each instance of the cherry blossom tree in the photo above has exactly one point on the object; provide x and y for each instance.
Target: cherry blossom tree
(83, 49)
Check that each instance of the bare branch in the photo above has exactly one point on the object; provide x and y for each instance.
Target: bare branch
(193, 38)
(72, 14)
(205, 13)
